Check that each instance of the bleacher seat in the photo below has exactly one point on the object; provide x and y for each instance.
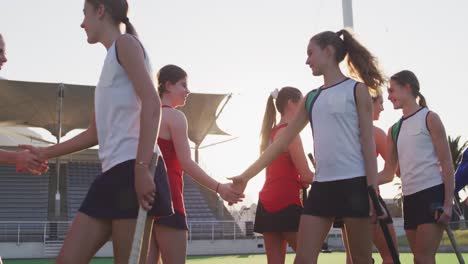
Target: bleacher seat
(24, 197)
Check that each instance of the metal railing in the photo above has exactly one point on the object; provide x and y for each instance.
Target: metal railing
(26, 231)
(216, 230)
(43, 231)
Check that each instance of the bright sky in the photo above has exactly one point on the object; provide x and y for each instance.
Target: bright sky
(249, 48)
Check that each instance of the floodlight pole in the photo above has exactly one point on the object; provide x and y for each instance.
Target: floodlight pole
(61, 95)
(347, 6)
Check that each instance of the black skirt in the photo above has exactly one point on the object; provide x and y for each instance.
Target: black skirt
(112, 194)
(177, 221)
(418, 208)
(339, 221)
(341, 198)
(285, 220)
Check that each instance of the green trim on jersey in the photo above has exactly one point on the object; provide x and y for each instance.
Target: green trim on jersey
(396, 131)
(311, 96)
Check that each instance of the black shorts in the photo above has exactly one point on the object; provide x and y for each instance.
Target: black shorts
(339, 221)
(342, 198)
(418, 208)
(177, 221)
(112, 194)
(285, 220)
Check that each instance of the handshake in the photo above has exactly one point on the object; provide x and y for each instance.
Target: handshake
(30, 160)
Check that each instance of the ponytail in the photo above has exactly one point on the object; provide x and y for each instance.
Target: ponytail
(269, 122)
(281, 98)
(361, 63)
(129, 28)
(422, 100)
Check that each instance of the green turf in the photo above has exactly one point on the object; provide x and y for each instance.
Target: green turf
(336, 257)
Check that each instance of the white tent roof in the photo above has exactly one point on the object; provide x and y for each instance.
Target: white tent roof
(13, 136)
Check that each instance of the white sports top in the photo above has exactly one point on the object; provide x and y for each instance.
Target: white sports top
(419, 165)
(117, 109)
(335, 128)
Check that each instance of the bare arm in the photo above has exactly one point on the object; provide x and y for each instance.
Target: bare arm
(132, 59)
(439, 139)
(364, 109)
(296, 150)
(25, 161)
(391, 161)
(9, 157)
(380, 142)
(84, 140)
(178, 131)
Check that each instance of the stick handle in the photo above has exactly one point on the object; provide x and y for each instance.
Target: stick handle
(135, 253)
(454, 243)
(383, 225)
(375, 201)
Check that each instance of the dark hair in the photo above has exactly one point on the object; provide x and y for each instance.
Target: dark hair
(408, 77)
(361, 63)
(269, 118)
(169, 73)
(118, 10)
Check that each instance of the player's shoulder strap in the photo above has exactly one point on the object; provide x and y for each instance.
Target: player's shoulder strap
(396, 131)
(311, 97)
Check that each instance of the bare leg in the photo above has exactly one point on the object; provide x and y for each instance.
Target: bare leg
(275, 247)
(312, 232)
(381, 244)
(291, 237)
(359, 239)
(428, 238)
(85, 237)
(122, 238)
(172, 244)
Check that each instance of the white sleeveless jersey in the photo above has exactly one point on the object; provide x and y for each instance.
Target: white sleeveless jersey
(117, 110)
(335, 128)
(419, 165)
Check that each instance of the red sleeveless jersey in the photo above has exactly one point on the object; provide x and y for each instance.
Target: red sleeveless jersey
(282, 184)
(174, 173)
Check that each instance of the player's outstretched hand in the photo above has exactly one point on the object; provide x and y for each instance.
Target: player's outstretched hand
(31, 160)
(229, 193)
(239, 183)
